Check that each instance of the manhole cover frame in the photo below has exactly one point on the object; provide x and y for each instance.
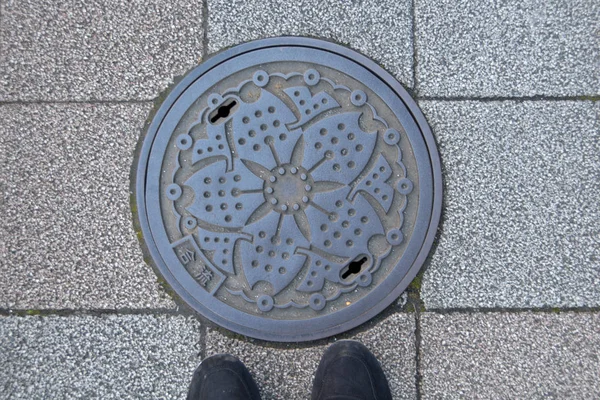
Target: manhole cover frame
(270, 328)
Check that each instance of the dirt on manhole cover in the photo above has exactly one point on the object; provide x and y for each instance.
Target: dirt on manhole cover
(288, 189)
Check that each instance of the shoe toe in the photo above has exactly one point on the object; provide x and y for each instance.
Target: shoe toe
(223, 377)
(348, 370)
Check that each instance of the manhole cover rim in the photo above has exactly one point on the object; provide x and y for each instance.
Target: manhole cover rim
(158, 119)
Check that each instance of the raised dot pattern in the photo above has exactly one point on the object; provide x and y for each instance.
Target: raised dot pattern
(345, 148)
(272, 250)
(310, 106)
(217, 202)
(347, 234)
(375, 184)
(257, 124)
(319, 269)
(214, 145)
(221, 245)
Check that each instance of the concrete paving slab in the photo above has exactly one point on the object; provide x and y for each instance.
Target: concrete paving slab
(103, 50)
(106, 357)
(66, 238)
(509, 356)
(508, 48)
(380, 29)
(286, 371)
(520, 224)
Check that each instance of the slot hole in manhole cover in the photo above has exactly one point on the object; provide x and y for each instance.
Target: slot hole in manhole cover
(354, 268)
(288, 189)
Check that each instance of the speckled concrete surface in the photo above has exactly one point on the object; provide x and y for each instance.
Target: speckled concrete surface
(102, 50)
(380, 29)
(520, 225)
(508, 48)
(508, 356)
(67, 236)
(105, 357)
(287, 371)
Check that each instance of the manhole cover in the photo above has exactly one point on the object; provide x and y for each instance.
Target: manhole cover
(289, 189)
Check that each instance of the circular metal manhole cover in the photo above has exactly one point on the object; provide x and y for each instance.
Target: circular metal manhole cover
(289, 189)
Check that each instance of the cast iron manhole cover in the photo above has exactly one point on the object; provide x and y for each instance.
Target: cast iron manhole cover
(289, 189)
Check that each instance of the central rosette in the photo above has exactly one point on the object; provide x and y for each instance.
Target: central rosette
(288, 188)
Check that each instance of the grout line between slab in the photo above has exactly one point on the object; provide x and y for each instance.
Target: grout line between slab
(203, 337)
(418, 98)
(418, 376)
(39, 102)
(185, 312)
(541, 310)
(94, 312)
(204, 29)
(509, 98)
(414, 44)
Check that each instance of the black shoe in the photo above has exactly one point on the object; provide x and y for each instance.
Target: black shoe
(349, 371)
(222, 377)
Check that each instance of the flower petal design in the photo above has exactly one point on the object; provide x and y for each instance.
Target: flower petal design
(310, 106)
(303, 225)
(218, 247)
(297, 157)
(350, 224)
(271, 255)
(215, 144)
(319, 269)
(326, 186)
(216, 202)
(257, 169)
(260, 133)
(337, 148)
(261, 211)
(375, 183)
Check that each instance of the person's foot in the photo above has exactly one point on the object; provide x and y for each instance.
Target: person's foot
(349, 371)
(222, 377)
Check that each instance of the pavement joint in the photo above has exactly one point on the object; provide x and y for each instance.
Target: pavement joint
(414, 44)
(410, 308)
(7, 312)
(418, 342)
(412, 91)
(540, 310)
(414, 303)
(87, 101)
(203, 334)
(205, 11)
(509, 98)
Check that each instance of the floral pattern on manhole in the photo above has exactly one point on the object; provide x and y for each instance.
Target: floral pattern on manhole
(287, 191)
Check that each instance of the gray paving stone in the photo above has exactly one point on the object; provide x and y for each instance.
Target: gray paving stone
(520, 223)
(287, 371)
(510, 356)
(107, 357)
(66, 238)
(380, 29)
(508, 48)
(107, 49)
